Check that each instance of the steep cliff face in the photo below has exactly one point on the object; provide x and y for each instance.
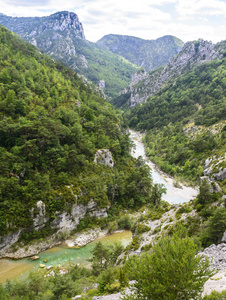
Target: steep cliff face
(149, 54)
(194, 53)
(64, 222)
(30, 28)
(61, 35)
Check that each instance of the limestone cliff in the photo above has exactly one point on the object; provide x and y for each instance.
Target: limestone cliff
(61, 35)
(63, 223)
(194, 53)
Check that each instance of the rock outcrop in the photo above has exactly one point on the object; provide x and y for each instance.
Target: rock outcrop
(61, 35)
(223, 240)
(216, 255)
(63, 223)
(212, 185)
(104, 157)
(30, 28)
(192, 54)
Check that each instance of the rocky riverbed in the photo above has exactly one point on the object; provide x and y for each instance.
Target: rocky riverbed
(175, 194)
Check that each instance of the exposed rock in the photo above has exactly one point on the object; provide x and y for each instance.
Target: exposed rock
(217, 256)
(138, 76)
(80, 239)
(41, 208)
(84, 238)
(221, 175)
(9, 240)
(223, 240)
(213, 186)
(83, 61)
(30, 27)
(215, 283)
(102, 84)
(213, 167)
(63, 223)
(69, 221)
(41, 219)
(104, 157)
(61, 35)
(117, 296)
(192, 54)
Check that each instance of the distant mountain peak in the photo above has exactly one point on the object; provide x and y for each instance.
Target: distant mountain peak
(149, 54)
(27, 27)
(144, 84)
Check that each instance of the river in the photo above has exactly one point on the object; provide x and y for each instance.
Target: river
(61, 255)
(58, 256)
(173, 195)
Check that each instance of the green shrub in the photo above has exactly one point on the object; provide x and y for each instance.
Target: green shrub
(141, 228)
(125, 222)
(216, 296)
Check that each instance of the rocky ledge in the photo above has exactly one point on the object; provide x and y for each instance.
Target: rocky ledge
(217, 257)
(80, 239)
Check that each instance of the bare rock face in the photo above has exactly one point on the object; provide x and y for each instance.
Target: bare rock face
(221, 175)
(64, 222)
(223, 240)
(217, 256)
(212, 185)
(192, 54)
(29, 28)
(104, 157)
(102, 84)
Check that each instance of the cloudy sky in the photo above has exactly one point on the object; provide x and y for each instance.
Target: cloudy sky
(147, 19)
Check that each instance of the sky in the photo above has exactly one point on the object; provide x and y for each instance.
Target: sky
(148, 19)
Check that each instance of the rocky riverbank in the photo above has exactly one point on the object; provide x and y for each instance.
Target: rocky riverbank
(80, 239)
(176, 193)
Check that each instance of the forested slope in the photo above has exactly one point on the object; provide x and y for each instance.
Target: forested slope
(51, 125)
(185, 121)
(61, 35)
(149, 54)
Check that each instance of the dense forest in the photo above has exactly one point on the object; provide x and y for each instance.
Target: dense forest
(185, 121)
(52, 124)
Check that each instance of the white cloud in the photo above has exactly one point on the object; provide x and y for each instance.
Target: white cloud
(202, 7)
(120, 17)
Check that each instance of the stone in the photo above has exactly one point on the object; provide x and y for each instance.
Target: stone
(63, 223)
(41, 208)
(217, 256)
(102, 84)
(213, 186)
(223, 240)
(9, 240)
(221, 175)
(145, 85)
(104, 157)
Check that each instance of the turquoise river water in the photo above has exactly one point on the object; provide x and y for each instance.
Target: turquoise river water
(58, 256)
(62, 255)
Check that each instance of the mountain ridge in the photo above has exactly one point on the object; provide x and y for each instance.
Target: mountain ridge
(61, 35)
(149, 54)
(144, 84)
